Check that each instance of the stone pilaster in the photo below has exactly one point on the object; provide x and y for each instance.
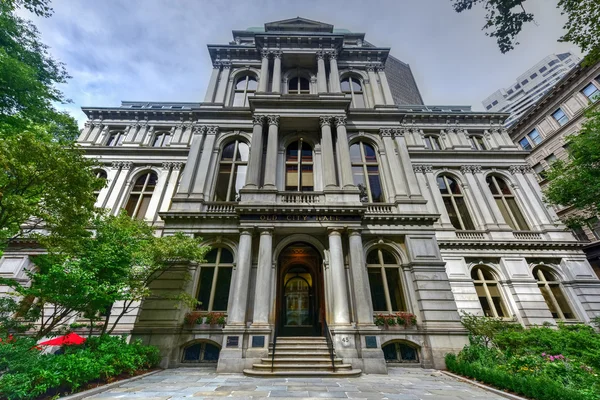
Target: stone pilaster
(321, 77)
(212, 84)
(264, 279)
(334, 74)
(236, 313)
(256, 149)
(327, 151)
(271, 159)
(344, 152)
(277, 71)
(341, 310)
(223, 82)
(264, 72)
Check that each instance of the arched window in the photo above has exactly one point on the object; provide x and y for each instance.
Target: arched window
(161, 139)
(215, 279)
(298, 85)
(365, 172)
(506, 202)
(115, 138)
(385, 282)
(488, 292)
(141, 193)
(454, 200)
(432, 142)
(352, 86)
(299, 167)
(400, 352)
(201, 352)
(553, 295)
(100, 174)
(244, 88)
(477, 142)
(232, 171)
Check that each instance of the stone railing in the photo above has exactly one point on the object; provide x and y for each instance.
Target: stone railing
(300, 198)
(220, 207)
(380, 209)
(470, 235)
(524, 235)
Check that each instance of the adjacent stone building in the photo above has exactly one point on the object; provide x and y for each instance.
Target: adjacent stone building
(326, 203)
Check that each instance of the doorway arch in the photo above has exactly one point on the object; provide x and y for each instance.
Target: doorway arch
(300, 291)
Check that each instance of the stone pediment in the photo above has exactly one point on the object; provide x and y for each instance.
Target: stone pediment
(298, 24)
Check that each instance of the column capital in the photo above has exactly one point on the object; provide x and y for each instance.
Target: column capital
(424, 168)
(380, 67)
(340, 120)
(122, 164)
(216, 64)
(333, 55)
(246, 231)
(266, 230)
(514, 169)
(334, 231)
(470, 168)
(320, 55)
(276, 53)
(264, 53)
(386, 132)
(258, 119)
(354, 231)
(226, 64)
(273, 119)
(88, 124)
(370, 67)
(325, 120)
(211, 129)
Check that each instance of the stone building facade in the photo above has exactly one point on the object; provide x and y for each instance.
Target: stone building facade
(543, 132)
(325, 203)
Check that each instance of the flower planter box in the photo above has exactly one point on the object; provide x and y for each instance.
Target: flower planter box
(204, 320)
(397, 321)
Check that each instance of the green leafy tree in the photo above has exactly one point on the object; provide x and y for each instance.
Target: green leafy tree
(576, 181)
(504, 20)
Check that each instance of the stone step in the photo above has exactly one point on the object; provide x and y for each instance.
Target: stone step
(301, 367)
(299, 360)
(344, 373)
(300, 353)
(300, 338)
(300, 348)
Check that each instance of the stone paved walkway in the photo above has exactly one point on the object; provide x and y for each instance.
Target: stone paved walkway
(199, 383)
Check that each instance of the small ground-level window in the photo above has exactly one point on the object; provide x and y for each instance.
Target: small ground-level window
(399, 352)
(201, 352)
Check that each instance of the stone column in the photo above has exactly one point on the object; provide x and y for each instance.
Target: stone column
(277, 71)
(344, 152)
(223, 81)
(205, 160)
(95, 131)
(377, 97)
(236, 314)
(87, 128)
(341, 312)
(133, 128)
(327, 151)
(398, 179)
(212, 84)
(334, 74)
(387, 93)
(527, 203)
(360, 280)
(481, 209)
(256, 149)
(271, 159)
(437, 196)
(321, 77)
(262, 291)
(264, 72)
(412, 186)
(178, 131)
(191, 165)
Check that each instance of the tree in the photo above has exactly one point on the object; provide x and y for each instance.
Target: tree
(505, 19)
(576, 182)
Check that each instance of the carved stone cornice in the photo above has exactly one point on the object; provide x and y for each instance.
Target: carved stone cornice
(324, 120)
(273, 119)
(258, 119)
(340, 120)
(474, 169)
(524, 169)
(386, 132)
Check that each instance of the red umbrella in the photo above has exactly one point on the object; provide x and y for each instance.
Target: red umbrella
(69, 339)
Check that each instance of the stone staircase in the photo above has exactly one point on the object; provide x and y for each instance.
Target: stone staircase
(301, 356)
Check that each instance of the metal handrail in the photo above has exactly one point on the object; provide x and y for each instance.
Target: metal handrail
(275, 333)
(329, 340)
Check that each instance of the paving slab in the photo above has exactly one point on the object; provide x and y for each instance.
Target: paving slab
(203, 383)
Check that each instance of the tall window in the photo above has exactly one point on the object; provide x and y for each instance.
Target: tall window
(432, 142)
(365, 172)
(299, 167)
(553, 295)
(477, 142)
(560, 117)
(215, 280)
(352, 86)
(244, 88)
(141, 193)
(232, 171)
(454, 200)
(115, 138)
(100, 174)
(488, 292)
(298, 85)
(161, 139)
(506, 202)
(591, 92)
(385, 282)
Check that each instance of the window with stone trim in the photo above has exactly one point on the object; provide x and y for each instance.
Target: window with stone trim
(352, 86)
(245, 87)
(591, 92)
(385, 281)
(299, 167)
(365, 172)
(115, 138)
(141, 194)
(553, 294)
(432, 142)
(100, 174)
(298, 85)
(477, 142)
(455, 203)
(232, 171)
(400, 352)
(507, 203)
(488, 292)
(161, 139)
(215, 280)
(201, 352)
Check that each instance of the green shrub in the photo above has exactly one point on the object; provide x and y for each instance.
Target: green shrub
(29, 374)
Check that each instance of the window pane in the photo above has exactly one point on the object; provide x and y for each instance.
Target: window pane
(388, 258)
(238, 99)
(131, 203)
(505, 213)
(143, 207)
(369, 153)
(222, 289)
(517, 213)
(307, 154)
(549, 302)
(211, 352)
(428, 144)
(442, 185)
(228, 152)
(292, 152)
(211, 256)
(243, 151)
(504, 189)
(525, 144)
(139, 183)
(192, 353)
(239, 180)
(222, 182)
(307, 178)
(355, 153)
(226, 257)
(454, 187)
(151, 182)
(464, 213)
(373, 257)
(390, 353)
(590, 91)
(534, 135)
(358, 176)
(497, 299)
(452, 213)
(375, 184)
(252, 84)
(394, 288)
(562, 301)
(408, 353)
(491, 185)
(345, 85)
(293, 85)
(204, 286)
(304, 84)
(377, 290)
(241, 84)
(356, 86)
(291, 177)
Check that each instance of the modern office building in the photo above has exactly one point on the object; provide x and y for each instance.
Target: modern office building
(330, 207)
(520, 95)
(542, 131)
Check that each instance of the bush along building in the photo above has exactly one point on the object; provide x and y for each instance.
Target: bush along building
(348, 228)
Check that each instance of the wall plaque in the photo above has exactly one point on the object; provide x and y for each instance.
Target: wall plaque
(233, 341)
(371, 342)
(258, 341)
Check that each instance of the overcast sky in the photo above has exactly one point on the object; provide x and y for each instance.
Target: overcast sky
(155, 50)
